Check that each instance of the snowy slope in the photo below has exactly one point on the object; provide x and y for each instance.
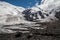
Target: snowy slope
(49, 7)
(9, 11)
(10, 14)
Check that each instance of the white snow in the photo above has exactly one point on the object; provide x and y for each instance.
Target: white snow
(11, 15)
(46, 7)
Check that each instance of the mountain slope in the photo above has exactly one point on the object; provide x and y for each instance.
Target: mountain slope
(10, 14)
(47, 7)
(13, 17)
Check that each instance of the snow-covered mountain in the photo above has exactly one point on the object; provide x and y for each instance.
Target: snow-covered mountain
(11, 15)
(47, 7)
(47, 11)
(51, 6)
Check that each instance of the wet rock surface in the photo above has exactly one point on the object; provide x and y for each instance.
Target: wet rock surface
(51, 31)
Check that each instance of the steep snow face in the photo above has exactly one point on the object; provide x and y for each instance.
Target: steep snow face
(50, 7)
(47, 5)
(10, 14)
